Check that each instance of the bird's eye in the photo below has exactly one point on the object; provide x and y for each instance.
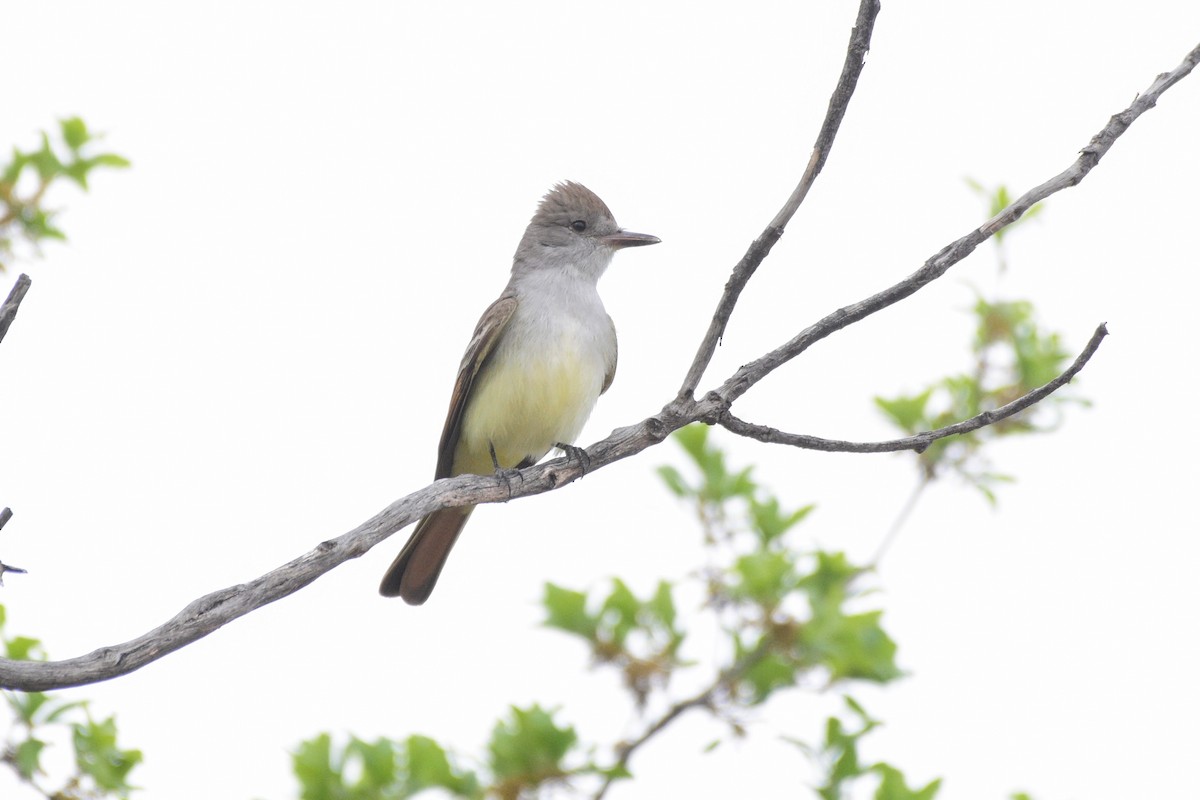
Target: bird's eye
(579, 226)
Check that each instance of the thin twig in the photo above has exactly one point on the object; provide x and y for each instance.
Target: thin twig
(8, 311)
(921, 441)
(5, 516)
(901, 518)
(856, 53)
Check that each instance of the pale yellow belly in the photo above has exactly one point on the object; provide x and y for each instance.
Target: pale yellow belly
(524, 407)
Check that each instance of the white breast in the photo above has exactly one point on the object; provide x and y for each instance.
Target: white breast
(544, 376)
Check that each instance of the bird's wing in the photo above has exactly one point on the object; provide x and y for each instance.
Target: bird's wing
(612, 368)
(487, 333)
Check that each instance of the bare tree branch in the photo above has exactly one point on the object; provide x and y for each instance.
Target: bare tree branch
(856, 54)
(208, 613)
(8, 311)
(947, 257)
(920, 441)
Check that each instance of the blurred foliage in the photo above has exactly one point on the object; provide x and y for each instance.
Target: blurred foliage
(25, 179)
(996, 199)
(1012, 355)
(787, 617)
(41, 722)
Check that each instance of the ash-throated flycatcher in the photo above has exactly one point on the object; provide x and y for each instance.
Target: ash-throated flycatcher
(540, 357)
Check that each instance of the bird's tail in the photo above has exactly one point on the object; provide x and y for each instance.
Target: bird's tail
(415, 571)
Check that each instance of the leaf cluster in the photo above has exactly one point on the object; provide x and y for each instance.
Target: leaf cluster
(25, 179)
(786, 616)
(1012, 355)
(40, 721)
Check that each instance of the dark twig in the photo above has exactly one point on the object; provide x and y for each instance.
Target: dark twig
(8, 311)
(920, 441)
(5, 516)
(856, 53)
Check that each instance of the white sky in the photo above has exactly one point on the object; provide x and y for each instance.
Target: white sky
(247, 346)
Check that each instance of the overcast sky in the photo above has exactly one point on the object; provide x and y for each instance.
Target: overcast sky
(248, 343)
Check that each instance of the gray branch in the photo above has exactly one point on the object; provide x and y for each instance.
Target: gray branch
(207, 614)
(8, 311)
(918, 442)
(856, 54)
(948, 256)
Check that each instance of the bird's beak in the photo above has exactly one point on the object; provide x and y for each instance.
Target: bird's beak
(628, 239)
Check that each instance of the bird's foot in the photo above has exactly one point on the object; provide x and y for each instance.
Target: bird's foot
(577, 454)
(505, 474)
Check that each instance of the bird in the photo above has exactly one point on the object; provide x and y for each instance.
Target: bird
(540, 357)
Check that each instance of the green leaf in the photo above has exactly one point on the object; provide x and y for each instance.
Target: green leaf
(892, 785)
(98, 756)
(377, 759)
(529, 747)
(662, 605)
(312, 764)
(26, 705)
(74, 132)
(674, 481)
(59, 710)
(765, 577)
(829, 583)
(848, 645)
(566, 609)
(620, 611)
(28, 757)
(852, 646)
(110, 160)
(23, 648)
(770, 523)
(428, 764)
(773, 671)
(694, 440)
(907, 412)
(77, 171)
(45, 161)
(12, 172)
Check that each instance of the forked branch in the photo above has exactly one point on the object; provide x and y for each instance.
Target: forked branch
(210, 612)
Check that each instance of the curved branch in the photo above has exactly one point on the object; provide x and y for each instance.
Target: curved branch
(856, 53)
(214, 610)
(920, 441)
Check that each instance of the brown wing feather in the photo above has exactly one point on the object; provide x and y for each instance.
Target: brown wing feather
(612, 370)
(487, 333)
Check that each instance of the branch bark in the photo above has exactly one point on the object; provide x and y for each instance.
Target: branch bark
(920, 441)
(8, 311)
(856, 54)
(208, 613)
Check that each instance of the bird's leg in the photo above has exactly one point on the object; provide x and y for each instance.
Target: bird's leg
(506, 474)
(576, 454)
